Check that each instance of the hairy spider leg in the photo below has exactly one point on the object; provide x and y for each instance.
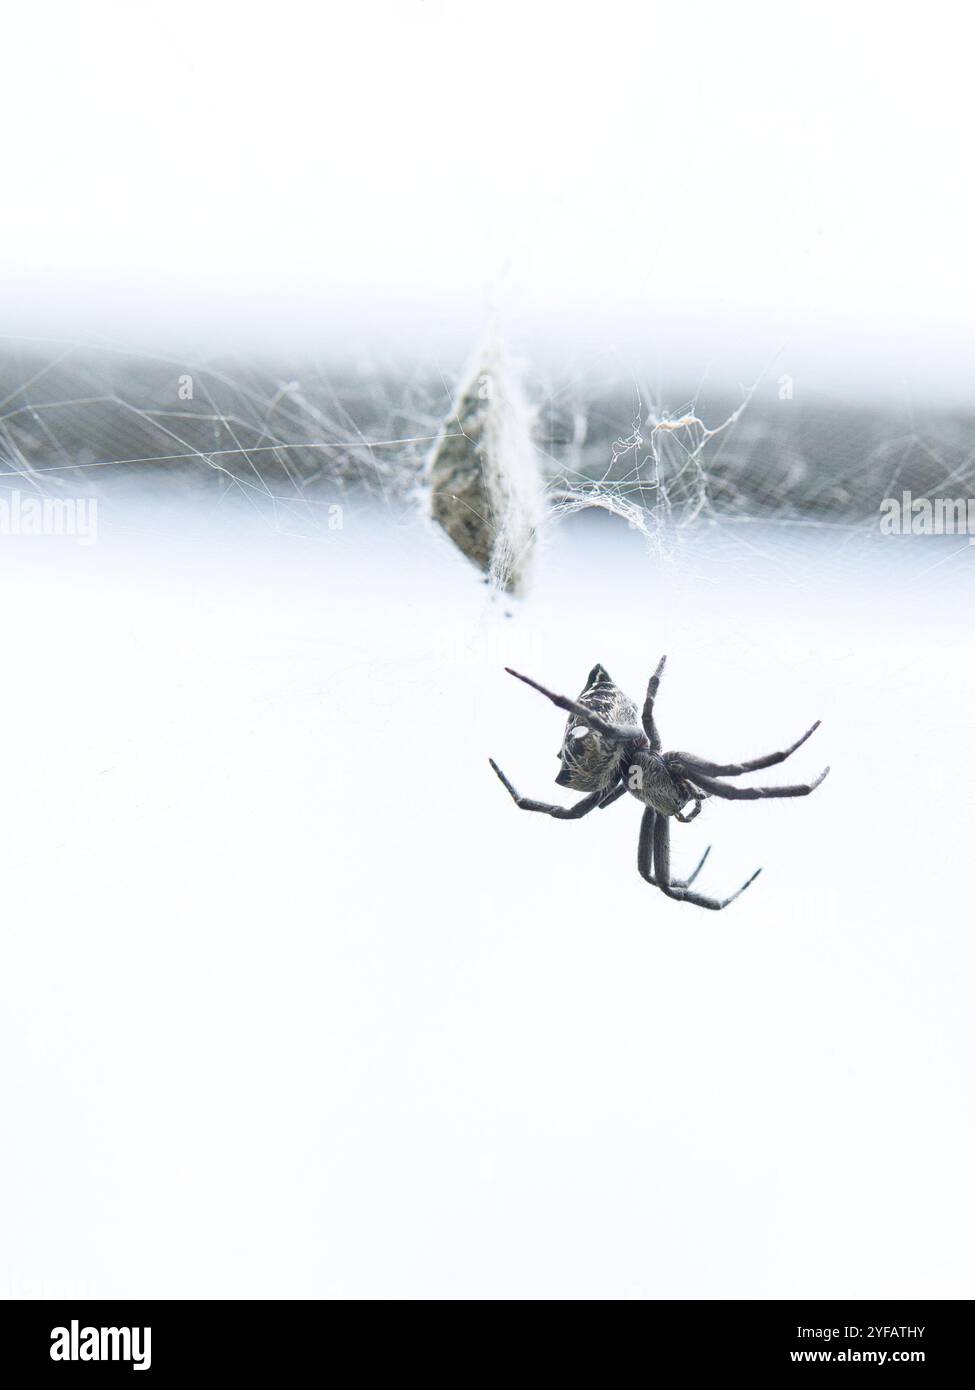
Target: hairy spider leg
(693, 763)
(581, 808)
(613, 795)
(751, 793)
(616, 733)
(645, 853)
(649, 727)
(654, 854)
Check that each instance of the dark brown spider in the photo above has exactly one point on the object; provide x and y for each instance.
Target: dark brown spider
(605, 752)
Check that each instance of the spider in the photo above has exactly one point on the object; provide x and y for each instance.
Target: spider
(605, 753)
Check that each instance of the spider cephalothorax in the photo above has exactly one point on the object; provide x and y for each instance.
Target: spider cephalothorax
(651, 780)
(606, 753)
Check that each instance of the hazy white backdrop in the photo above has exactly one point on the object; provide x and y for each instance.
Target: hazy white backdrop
(293, 1000)
(296, 1002)
(679, 185)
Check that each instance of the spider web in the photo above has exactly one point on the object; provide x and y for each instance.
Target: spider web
(290, 438)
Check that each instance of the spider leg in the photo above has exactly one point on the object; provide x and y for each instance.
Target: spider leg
(644, 850)
(686, 820)
(674, 888)
(752, 793)
(616, 733)
(612, 795)
(644, 858)
(649, 727)
(691, 763)
(581, 808)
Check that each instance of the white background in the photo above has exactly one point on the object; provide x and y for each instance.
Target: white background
(293, 1001)
(638, 185)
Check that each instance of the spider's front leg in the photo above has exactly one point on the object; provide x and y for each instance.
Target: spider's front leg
(644, 858)
(654, 852)
(581, 808)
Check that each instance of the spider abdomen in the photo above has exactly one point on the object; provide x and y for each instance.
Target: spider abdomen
(590, 762)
